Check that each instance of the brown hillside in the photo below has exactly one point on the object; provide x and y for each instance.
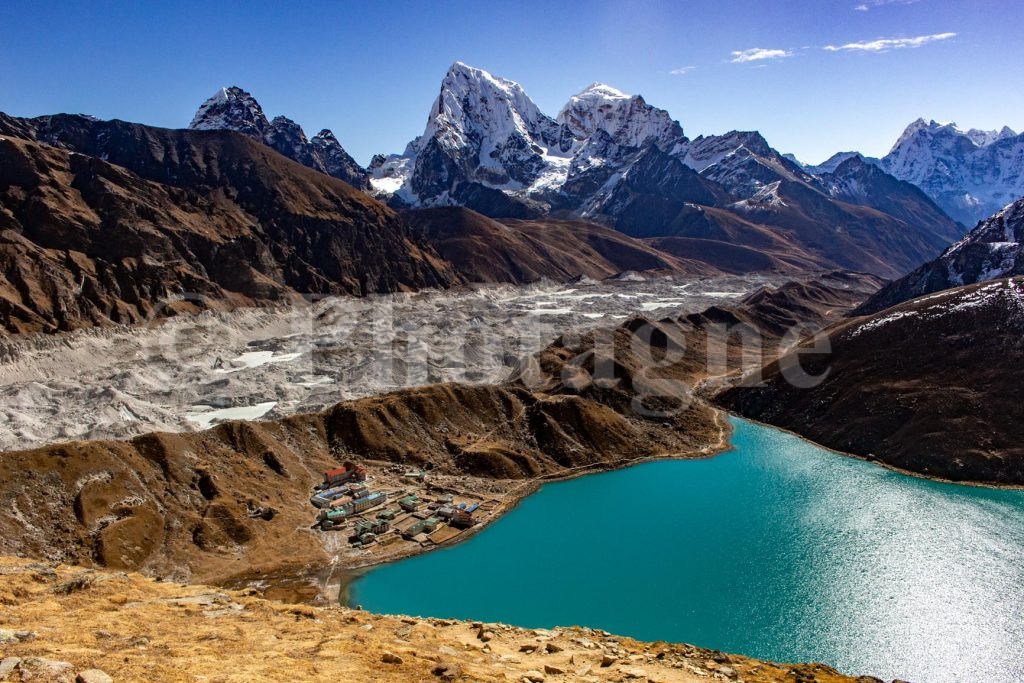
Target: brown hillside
(929, 386)
(86, 241)
(177, 504)
(484, 249)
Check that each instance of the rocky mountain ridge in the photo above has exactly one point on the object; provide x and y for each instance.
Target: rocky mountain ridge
(993, 249)
(928, 386)
(111, 222)
(235, 109)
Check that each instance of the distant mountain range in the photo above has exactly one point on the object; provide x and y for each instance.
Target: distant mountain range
(617, 160)
(614, 159)
(971, 174)
(115, 210)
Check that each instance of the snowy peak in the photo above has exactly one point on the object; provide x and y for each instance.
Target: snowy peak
(235, 109)
(472, 103)
(629, 121)
(231, 109)
(970, 174)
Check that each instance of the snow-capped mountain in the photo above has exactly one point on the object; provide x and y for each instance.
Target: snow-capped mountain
(613, 158)
(232, 109)
(485, 134)
(970, 174)
(235, 109)
(993, 249)
(832, 163)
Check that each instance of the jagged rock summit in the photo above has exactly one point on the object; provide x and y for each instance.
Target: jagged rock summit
(484, 134)
(233, 108)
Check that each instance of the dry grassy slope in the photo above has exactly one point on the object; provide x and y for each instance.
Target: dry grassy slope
(487, 250)
(134, 628)
(930, 386)
(734, 243)
(175, 504)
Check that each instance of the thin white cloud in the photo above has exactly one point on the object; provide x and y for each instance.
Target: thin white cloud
(757, 54)
(883, 44)
(870, 4)
(682, 71)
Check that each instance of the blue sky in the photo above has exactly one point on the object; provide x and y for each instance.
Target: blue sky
(370, 70)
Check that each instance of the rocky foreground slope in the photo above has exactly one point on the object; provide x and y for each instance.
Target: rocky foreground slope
(930, 386)
(60, 622)
(180, 505)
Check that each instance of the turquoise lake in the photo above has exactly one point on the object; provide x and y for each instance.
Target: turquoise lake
(777, 549)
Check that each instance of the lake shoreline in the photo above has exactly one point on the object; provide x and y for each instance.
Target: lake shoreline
(877, 461)
(740, 553)
(350, 572)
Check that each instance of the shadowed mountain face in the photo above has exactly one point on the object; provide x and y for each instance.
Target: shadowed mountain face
(991, 250)
(108, 218)
(927, 386)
